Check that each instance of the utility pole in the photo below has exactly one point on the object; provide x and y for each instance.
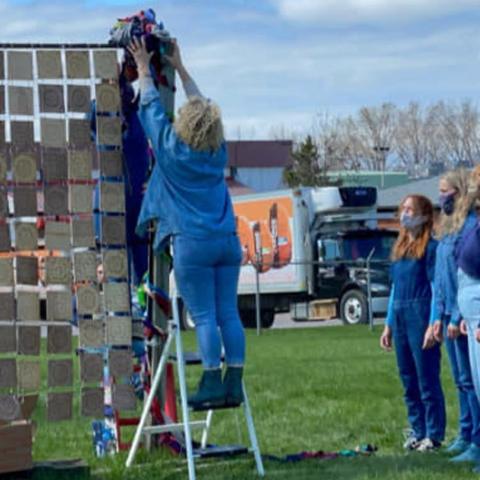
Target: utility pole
(381, 154)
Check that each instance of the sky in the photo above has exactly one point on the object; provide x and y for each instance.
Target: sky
(275, 66)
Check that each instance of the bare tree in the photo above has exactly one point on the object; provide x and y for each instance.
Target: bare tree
(459, 132)
(280, 132)
(437, 151)
(332, 143)
(376, 130)
(417, 139)
(418, 143)
(410, 144)
(357, 155)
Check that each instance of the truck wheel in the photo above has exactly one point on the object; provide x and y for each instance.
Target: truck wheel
(249, 318)
(354, 308)
(267, 317)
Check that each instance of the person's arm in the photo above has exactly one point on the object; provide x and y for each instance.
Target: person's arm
(456, 317)
(189, 86)
(390, 313)
(386, 337)
(433, 307)
(437, 287)
(431, 263)
(429, 337)
(151, 114)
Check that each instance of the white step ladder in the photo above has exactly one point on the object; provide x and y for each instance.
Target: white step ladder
(174, 338)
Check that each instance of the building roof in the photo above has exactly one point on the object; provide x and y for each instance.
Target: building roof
(259, 153)
(364, 178)
(391, 197)
(237, 188)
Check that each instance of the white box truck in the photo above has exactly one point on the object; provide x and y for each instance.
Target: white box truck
(309, 247)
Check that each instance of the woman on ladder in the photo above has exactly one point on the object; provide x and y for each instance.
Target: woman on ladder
(188, 197)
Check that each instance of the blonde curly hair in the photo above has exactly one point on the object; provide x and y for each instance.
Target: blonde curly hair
(199, 124)
(474, 182)
(472, 200)
(458, 181)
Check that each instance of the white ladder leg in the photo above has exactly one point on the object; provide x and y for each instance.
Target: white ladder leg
(206, 430)
(148, 403)
(252, 433)
(183, 390)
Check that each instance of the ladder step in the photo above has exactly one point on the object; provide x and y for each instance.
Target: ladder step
(220, 407)
(190, 358)
(172, 427)
(220, 451)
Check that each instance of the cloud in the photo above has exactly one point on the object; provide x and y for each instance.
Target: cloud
(266, 84)
(267, 67)
(278, 124)
(328, 12)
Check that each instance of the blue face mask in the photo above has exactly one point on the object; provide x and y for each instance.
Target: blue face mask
(447, 203)
(411, 222)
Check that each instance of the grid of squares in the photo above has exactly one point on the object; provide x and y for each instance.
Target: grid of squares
(54, 169)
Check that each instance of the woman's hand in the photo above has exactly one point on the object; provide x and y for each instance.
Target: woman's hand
(453, 331)
(477, 335)
(386, 339)
(463, 327)
(438, 331)
(175, 59)
(428, 339)
(142, 58)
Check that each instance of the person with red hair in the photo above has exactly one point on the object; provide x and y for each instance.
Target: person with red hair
(409, 324)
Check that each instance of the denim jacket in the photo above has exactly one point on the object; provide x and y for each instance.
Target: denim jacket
(187, 193)
(446, 282)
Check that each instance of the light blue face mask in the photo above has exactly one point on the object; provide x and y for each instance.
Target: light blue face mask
(411, 222)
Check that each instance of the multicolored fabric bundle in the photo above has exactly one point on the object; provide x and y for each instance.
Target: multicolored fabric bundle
(157, 40)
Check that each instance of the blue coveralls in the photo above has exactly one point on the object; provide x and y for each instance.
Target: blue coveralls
(446, 288)
(409, 314)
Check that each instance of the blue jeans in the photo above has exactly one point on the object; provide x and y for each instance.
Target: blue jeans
(469, 306)
(419, 370)
(469, 415)
(206, 272)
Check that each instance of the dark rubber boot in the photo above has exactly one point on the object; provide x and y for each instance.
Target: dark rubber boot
(233, 386)
(210, 393)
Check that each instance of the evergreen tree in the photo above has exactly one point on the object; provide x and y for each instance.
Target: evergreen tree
(305, 170)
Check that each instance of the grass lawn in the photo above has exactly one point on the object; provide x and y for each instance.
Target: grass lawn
(310, 389)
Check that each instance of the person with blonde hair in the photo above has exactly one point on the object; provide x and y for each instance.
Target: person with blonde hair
(468, 258)
(188, 198)
(453, 188)
(409, 324)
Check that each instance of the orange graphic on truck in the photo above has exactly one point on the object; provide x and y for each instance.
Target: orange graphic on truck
(265, 233)
(243, 230)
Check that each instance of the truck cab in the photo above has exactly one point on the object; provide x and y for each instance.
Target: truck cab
(349, 252)
(341, 271)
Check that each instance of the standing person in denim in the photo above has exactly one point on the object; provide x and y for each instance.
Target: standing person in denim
(188, 198)
(453, 191)
(409, 324)
(468, 258)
